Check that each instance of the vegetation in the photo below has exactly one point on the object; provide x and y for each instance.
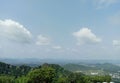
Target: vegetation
(16, 71)
(107, 67)
(76, 67)
(47, 73)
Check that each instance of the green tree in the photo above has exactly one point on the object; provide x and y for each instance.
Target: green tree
(62, 80)
(6, 79)
(42, 75)
(22, 79)
(76, 78)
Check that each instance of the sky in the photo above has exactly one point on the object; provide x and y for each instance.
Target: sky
(60, 29)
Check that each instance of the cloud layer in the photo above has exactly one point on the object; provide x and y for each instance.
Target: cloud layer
(85, 36)
(14, 31)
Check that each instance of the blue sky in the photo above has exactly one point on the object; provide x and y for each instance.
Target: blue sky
(60, 29)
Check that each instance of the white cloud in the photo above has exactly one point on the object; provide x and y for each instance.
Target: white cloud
(116, 42)
(85, 36)
(43, 40)
(12, 30)
(104, 3)
(57, 47)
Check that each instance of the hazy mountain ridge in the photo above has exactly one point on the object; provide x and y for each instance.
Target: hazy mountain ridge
(107, 67)
(48, 73)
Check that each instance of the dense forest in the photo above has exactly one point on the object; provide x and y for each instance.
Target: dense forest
(46, 73)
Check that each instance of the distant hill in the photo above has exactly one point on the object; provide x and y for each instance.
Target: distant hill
(37, 61)
(48, 73)
(77, 67)
(107, 67)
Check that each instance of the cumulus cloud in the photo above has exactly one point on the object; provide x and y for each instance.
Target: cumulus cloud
(104, 3)
(116, 42)
(43, 40)
(14, 31)
(85, 36)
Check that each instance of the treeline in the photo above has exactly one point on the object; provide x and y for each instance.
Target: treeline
(47, 73)
(12, 70)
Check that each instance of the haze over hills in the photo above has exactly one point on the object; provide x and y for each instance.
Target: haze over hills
(107, 67)
(69, 64)
(92, 70)
(77, 39)
(50, 73)
(57, 61)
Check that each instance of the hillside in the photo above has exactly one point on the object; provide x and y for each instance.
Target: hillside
(46, 73)
(9, 69)
(76, 67)
(107, 67)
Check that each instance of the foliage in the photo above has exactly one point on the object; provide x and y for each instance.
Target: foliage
(107, 67)
(22, 79)
(14, 70)
(42, 75)
(6, 79)
(96, 79)
(47, 73)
